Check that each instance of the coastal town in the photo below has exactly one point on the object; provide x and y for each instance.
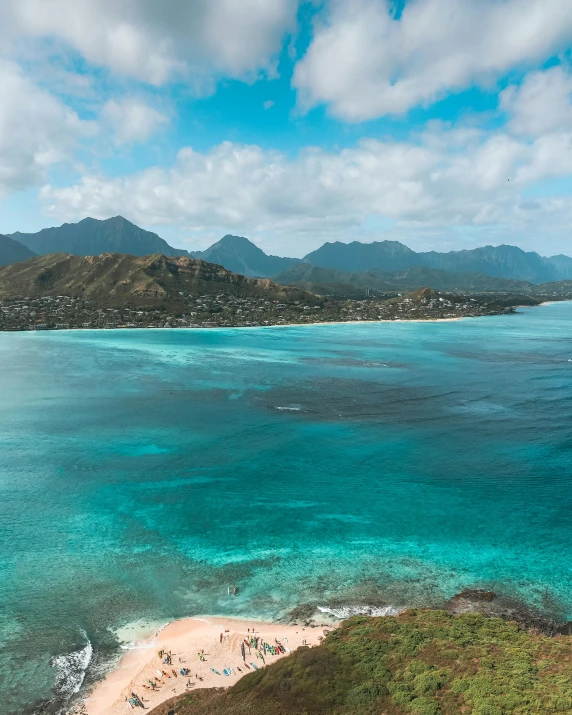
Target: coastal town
(64, 312)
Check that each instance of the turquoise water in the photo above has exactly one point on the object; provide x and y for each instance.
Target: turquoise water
(143, 472)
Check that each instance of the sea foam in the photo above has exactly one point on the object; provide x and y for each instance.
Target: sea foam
(71, 669)
(343, 612)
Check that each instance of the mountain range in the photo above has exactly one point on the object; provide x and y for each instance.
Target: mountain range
(501, 261)
(240, 255)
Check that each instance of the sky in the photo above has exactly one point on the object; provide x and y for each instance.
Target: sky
(443, 124)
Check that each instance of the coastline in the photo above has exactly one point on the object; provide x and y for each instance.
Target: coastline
(284, 325)
(221, 640)
(248, 327)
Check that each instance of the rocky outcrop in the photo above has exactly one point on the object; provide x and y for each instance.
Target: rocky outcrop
(493, 605)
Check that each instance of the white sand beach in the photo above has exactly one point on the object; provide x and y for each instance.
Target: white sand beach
(184, 640)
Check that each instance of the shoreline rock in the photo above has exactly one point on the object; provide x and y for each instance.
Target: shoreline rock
(492, 605)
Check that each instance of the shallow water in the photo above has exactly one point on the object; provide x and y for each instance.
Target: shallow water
(143, 472)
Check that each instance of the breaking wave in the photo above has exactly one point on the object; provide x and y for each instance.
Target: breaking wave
(343, 612)
(71, 670)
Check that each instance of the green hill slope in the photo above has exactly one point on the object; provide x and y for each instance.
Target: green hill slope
(334, 282)
(328, 281)
(420, 662)
(114, 279)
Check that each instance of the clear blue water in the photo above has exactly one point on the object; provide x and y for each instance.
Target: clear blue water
(143, 472)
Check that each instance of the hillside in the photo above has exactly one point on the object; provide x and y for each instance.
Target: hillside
(339, 283)
(240, 255)
(112, 279)
(91, 237)
(12, 251)
(420, 662)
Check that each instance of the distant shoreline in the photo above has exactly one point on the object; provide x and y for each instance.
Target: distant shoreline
(210, 325)
(249, 327)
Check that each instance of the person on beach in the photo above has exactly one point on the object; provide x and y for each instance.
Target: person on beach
(221, 637)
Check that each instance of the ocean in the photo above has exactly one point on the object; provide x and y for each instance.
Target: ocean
(143, 472)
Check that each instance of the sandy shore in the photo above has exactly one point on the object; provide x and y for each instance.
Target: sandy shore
(184, 639)
(273, 325)
(346, 322)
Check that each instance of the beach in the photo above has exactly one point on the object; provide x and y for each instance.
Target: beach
(219, 638)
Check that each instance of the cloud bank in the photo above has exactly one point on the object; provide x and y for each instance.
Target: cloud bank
(158, 41)
(363, 63)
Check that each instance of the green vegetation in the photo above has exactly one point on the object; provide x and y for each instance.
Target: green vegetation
(341, 284)
(113, 279)
(420, 662)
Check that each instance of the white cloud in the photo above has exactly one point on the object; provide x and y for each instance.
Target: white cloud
(268, 104)
(363, 63)
(132, 120)
(543, 102)
(449, 179)
(153, 40)
(36, 130)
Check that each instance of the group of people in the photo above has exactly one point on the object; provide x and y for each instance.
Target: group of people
(251, 641)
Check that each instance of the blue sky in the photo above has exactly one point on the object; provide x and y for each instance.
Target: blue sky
(444, 124)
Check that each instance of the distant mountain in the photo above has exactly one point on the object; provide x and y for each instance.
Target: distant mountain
(240, 255)
(501, 261)
(562, 264)
(327, 281)
(112, 279)
(356, 256)
(12, 251)
(91, 237)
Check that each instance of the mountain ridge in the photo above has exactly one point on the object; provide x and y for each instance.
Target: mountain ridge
(115, 279)
(240, 255)
(91, 236)
(12, 251)
(502, 261)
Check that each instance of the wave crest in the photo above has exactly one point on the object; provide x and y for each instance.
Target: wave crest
(71, 669)
(343, 612)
